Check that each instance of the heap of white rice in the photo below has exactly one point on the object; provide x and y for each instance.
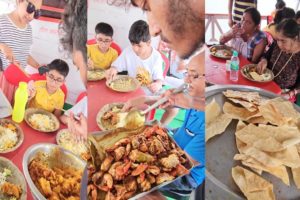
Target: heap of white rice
(67, 141)
(42, 122)
(8, 138)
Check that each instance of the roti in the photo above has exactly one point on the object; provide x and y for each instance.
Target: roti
(253, 186)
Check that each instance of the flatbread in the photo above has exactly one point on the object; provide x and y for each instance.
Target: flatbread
(257, 120)
(280, 171)
(256, 76)
(269, 138)
(252, 97)
(212, 110)
(296, 176)
(253, 186)
(249, 106)
(279, 112)
(239, 113)
(216, 122)
(217, 127)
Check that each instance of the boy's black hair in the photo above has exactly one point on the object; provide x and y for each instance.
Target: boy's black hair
(279, 4)
(139, 32)
(59, 65)
(297, 16)
(255, 15)
(104, 29)
(285, 13)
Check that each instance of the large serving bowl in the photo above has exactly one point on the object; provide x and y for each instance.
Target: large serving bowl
(65, 158)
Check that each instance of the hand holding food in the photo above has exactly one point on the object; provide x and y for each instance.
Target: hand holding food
(261, 66)
(111, 74)
(31, 89)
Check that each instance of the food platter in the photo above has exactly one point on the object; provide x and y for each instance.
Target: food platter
(102, 143)
(123, 83)
(221, 149)
(16, 177)
(106, 124)
(54, 157)
(41, 120)
(249, 72)
(16, 135)
(221, 51)
(95, 74)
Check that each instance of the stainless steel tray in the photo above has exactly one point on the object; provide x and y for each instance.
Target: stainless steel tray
(221, 149)
(106, 138)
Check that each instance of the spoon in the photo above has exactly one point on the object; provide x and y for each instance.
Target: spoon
(136, 118)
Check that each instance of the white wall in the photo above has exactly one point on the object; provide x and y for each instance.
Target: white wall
(120, 18)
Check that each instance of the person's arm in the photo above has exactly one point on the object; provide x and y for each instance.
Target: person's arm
(227, 37)
(139, 101)
(258, 51)
(230, 22)
(32, 62)
(168, 116)
(7, 52)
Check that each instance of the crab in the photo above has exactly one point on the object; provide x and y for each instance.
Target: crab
(179, 170)
(152, 169)
(163, 177)
(140, 169)
(106, 163)
(170, 162)
(92, 191)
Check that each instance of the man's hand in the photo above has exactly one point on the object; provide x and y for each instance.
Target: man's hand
(134, 102)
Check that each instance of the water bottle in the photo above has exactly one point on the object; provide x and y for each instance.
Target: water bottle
(21, 98)
(234, 66)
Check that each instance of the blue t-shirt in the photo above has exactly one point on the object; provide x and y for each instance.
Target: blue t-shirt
(191, 138)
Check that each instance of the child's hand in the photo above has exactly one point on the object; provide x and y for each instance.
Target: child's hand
(155, 86)
(90, 64)
(31, 89)
(78, 127)
(111, 74)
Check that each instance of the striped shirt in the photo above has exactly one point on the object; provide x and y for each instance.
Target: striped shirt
(240, 6)
(19, 40)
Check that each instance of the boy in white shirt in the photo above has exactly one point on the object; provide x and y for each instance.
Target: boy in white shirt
(140, 59)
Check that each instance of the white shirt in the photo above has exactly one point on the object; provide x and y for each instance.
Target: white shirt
(129, 61)
(80, 107)
(5, 107)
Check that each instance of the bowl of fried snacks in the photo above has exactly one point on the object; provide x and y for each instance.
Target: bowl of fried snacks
(52, 172)
(123, 83)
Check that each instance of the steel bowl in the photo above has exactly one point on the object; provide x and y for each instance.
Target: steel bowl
(16, 178)
(31, 111)
(20, 135)
(67, 158)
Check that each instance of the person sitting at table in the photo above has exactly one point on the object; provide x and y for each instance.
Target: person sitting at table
(284, 13)
(140, 58)
(283, 58)
(16, 40)
(247, 32)
(191, 136)
(46, 94)
(101, 55)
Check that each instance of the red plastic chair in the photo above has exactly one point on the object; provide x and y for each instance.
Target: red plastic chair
(38, 77)
(14, 75)
(113, 45)
(81, 96)
(166, 64)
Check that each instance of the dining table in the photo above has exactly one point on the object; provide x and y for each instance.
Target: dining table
(215, 73)
(99, 95)
(31, 137)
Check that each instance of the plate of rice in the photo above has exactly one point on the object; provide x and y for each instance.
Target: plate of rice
(11, 136)
(65, 139)
(41, 120)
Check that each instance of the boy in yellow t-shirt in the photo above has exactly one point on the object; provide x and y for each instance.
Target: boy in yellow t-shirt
(47, 94)
(101, 55)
